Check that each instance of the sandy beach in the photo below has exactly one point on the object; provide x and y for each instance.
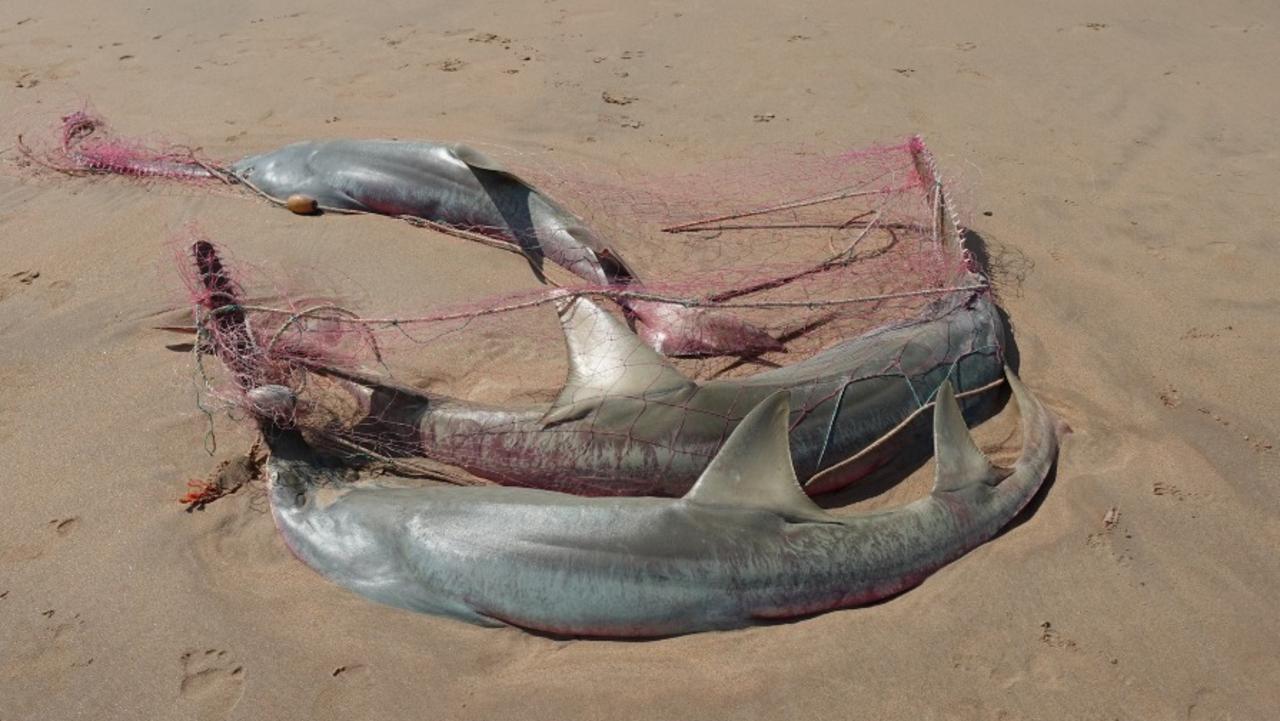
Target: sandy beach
(1117, 159)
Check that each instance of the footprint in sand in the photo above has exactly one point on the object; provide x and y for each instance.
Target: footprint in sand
(1114, 538)
(16, 281)
(56, 292)
(212, 683)
(43, 652)
(346, 694)
(39, 544)
(997, 670)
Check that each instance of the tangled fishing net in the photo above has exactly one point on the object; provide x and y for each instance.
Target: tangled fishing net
(84, 145)
(814, 251)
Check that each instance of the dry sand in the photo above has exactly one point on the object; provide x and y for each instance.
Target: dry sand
(1125, 155)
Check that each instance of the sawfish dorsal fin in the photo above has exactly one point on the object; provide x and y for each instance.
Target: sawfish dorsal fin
(753, 468)
(959, 463)
(607, 360)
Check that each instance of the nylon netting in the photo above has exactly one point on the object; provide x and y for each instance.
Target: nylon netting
(814, 250)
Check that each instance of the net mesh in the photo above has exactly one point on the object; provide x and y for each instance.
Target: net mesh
(83, 144)
(815, 250)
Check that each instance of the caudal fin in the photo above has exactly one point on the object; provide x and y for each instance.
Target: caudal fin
(675, 330)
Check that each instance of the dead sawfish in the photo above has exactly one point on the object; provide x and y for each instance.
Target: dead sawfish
(627, 422)
(459, 187)
(744, 545)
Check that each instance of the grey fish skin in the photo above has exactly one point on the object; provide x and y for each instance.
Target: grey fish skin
(457, 186)
(628, 439)
(426, 180)
(624, 433)
(628, 423)
(745, 545)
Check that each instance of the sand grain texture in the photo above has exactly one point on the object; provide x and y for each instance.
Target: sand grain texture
(1124, 153)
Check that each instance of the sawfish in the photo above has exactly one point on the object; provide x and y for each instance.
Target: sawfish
(627, 422)
(457, 186)
(450, 186)
(743, 545)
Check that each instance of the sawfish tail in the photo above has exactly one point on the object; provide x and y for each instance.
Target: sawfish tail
(680, 331)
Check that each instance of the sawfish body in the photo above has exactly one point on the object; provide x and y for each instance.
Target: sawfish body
(628, 423)
(457, 186)
(744, 545)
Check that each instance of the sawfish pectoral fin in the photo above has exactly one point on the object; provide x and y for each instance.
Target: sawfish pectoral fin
(607, 360)
(753, 468)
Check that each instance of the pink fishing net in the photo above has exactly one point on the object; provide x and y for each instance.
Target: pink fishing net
(815, 249)
(812, 270)
(83, 144)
